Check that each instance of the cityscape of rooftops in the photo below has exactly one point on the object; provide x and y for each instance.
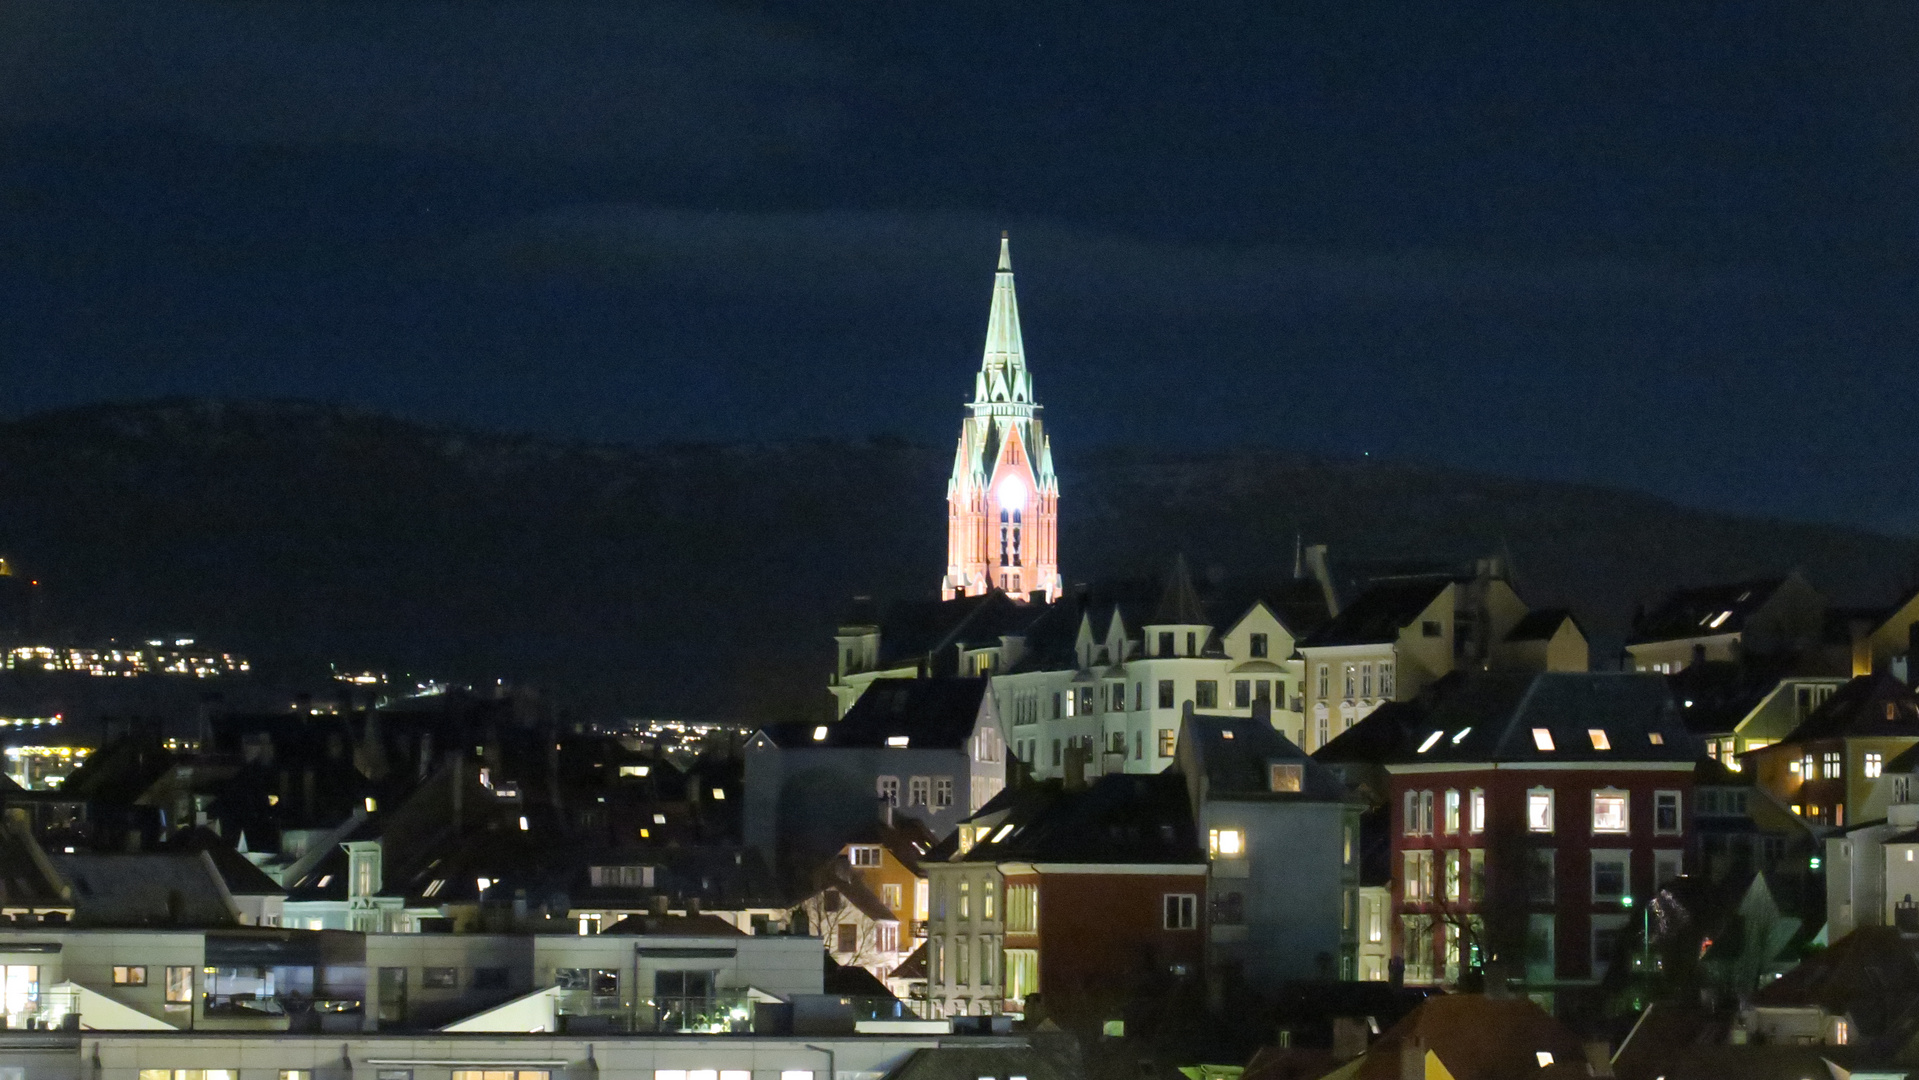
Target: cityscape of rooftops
(760, 541)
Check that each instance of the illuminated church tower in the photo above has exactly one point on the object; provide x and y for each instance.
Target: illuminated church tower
(1002, 503)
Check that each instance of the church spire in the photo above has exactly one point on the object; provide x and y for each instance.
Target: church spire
(1003, 497)
(1002, 371)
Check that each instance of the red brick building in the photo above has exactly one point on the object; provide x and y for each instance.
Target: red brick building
(1084, 897)
(1533, 816)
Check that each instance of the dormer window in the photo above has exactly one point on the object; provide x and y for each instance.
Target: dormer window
(1285, 775)
(1166, 643)
(1192, 643)
(1257, 646)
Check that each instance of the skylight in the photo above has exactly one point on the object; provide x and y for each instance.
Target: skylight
(896, 741)
(1599, 738)
(1004, 831)
(819, 733)
(1430, 740)
(1461, 734)
(1542, 738)
(1720, 620)
(1657, 739)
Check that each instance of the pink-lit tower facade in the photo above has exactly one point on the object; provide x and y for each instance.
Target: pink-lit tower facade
(1002, 503)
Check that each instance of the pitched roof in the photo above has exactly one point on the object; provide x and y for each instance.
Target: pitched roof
(1541, 625)
(914, 966)
(1476, 1038)
(1870, 705)
(935, 713)
(1585, 716)
(1120, 818)
(1706, 610)
(242, 878)
(1380, 613)
(1178, 602)
(1234, 754)
(146, 889)
(701, 925)
(916, 630)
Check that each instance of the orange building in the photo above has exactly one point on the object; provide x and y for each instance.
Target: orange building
(1002, 503)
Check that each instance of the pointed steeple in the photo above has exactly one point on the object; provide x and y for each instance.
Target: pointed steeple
(1179, 603)
(1002, 370)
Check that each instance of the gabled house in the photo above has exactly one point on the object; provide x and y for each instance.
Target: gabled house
(1828, 767)
(1770, 617)
(1403, 634)
(1733, 707)
(930, 749)
(870, 903)
(1012, 887)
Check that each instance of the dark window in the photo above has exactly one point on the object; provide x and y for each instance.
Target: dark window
(1262, 690)
(849, 938)
(1166, 693)
(489, 978)
(1166, 643)
(1192, 643)
(1056, 705)
(440, 978)
(1259, 650)
(1539, 876)
(1206, 693)
(1056, 754)
(1242, 693)
(831, 900)
(1431, 628)
(1229, 909)
(1181, 911)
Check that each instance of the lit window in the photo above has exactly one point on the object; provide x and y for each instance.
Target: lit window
(1656, 739)
(641, 770)
(896, 741)
(659, 819)
(1539, 810)
(819, 735)
(1544, 1057)
(1477, 816)
(1599, 739)
(1227, 843)
(1430, 740)
(1874, 764)
(1284, 776)
(719, 794)
(1005, 831)
(1542, 738)
(1451, 822)
(1609, 811)
(1460, 735)
(130, 976)
(1719, 620)
(523, 825)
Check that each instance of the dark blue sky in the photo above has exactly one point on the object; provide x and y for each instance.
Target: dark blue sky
(1663, 246)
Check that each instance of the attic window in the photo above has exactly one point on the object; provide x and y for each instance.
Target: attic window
(642, 770)
(434, 888)
(1599, 739)
(1225, 734)
(1285, 776)
(1545, 1058)
(1542, 739)
(898, 742)
(719, 794)
(1005, 831)
(325, 880)
(659, 819)
(1720, 620)
(819, 735)
(1656, 739)
(1430, 740)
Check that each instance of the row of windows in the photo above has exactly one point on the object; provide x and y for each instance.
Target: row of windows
(1362, 680)
(1611, 812)
(1113, 697)
(1830, 765)
(934, 791)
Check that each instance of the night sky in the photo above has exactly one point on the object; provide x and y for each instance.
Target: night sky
(1664, 246)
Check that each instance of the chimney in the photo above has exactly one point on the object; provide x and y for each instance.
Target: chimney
(692, 906)
(656, 904)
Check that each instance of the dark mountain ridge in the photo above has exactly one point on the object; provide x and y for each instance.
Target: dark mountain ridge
(706, 579)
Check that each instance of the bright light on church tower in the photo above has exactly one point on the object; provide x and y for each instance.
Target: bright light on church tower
(1012, 494)
(1002, 503)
